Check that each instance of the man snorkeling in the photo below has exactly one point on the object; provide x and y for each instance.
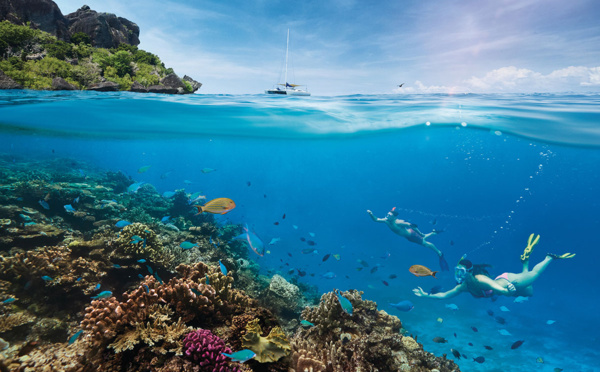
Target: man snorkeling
(476, 280)
(410, 232)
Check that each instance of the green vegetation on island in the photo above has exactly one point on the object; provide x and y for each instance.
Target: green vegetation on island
(33, 58)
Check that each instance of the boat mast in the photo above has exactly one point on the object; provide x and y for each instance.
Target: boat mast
(287, 46)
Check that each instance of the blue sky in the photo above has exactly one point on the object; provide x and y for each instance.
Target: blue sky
(361, 47)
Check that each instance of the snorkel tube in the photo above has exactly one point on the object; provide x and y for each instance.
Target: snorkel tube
(461, 272)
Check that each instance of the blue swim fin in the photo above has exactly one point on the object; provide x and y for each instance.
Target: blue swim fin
(443, 264)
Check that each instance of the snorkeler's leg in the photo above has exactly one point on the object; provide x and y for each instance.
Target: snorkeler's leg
(443, 264)
(526, 278)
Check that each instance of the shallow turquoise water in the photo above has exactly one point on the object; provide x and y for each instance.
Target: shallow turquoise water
(488, 169)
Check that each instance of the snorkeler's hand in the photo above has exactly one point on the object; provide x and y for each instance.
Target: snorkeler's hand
(420, 292)
(369, 212)
(511, 287)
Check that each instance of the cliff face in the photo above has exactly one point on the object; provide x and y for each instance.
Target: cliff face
(43, 14)
(106, 30)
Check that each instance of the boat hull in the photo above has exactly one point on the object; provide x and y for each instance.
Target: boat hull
(289, 92)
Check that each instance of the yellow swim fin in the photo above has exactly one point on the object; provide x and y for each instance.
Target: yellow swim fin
(562, 256)
(530, 244)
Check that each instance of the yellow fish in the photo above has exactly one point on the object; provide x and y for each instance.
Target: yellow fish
(420, 270)
(216, 206)
(144, 169)
(336, 256)
(440, 320)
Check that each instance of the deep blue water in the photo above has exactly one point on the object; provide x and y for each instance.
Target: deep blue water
(489, 169)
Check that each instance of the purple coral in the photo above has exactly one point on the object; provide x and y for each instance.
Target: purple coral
(205, 348)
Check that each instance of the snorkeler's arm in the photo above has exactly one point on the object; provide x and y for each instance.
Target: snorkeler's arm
(441, 295)
(375, 218)
(492, 284)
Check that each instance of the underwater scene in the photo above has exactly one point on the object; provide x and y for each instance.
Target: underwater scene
(266, 233)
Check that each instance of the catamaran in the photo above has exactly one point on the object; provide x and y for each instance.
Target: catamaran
(288, 89)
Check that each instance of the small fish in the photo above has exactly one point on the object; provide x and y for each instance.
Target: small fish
(69, 208)
(490, 313)
(550, 322)
(470, 344)
(44, 204)
(437, 289)
(451, 306)
(283, 217)
(207, 280)
(455, 353)
(9, 300)
(253, 241)
(455, 336)
(168, 194)
(474, 329)
(479, 359)
(74, 338)
(116, 266)
(47, 278)
(274, 241)
(311, 234)
(97, 287)
(223, 268)
(405, 306)
(146, 288)
(488, 347)
(439, 340)
(517, 344)
(134, 187)
(520, 299)
(141, 260)
(337, 257)
(385, 283)
(121, 224)
(301, 273)
(558, 369)
(440, 320)
(311, 243)
(306, 323)
(364, 263)
(345, 303)
(328, 275)
(143, 169)
(207, 170)
(136, 239)
(140, 276)
(539, 360)
(276, 223)
(451, 242)
(241, 356)
(504, 332)
(76, 200)
(393, 276)
(294, 226)
(309, 250)
(150, 269)
(374, 269)
(216, 206)
(188, 245)
(326, 257)
(420, 270)
(504, 308)
(500, 319)
(77, 280)
(101, 295)
(249, 183)
(158, 278)
(165, 219)
(291, 271)
(302, 239)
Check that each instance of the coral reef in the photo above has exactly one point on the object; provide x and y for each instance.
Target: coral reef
(205, 349)
(283, 297)
(268, 349)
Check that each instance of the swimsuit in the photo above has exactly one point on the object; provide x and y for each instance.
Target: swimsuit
(503, 276)
(414, 236)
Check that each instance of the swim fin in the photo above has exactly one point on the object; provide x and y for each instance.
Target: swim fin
(530, 244)
(443, 264)
(562, 256)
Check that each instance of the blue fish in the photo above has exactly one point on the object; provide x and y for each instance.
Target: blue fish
(69, 208)
(328, 275)
(223, 268)
(241, 356)
(81, 172)
(146, 288)
(9, 300)
(345, 303)
(74, 338)
(97, 287)
(405, 306)
(31, 224)
(150, 269)
(141, 260)
(47, 278)
(134, 187)
(196, 292)
(207, 281)
(252, 240)
(121, 224)
(140, 276)
(165, 219)
(76, 200)
(116, 266)
(44, 204)
(306, 323)
(105, 294)
(168, 194)
(79, 279)
(212, 242)
(187, 245)
(25, 217)
(158, 278)
(136, 239)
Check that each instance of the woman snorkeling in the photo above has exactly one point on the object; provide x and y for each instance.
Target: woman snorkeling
(410, 232)
(476, 280)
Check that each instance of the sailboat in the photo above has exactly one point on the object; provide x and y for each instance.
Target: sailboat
(288, 89)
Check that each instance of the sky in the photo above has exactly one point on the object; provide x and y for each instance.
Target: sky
(340, 47)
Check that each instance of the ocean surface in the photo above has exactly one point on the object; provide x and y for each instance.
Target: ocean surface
(488, 170)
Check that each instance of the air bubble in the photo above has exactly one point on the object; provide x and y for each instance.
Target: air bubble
(428, 123)
(498, 133)
(463, 124)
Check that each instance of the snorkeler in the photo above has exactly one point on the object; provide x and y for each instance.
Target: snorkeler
(476, 280)
(411, 233)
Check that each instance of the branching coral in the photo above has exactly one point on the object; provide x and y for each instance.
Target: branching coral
(267, 349)
(148, 246)
(205, 349)
(10, 321)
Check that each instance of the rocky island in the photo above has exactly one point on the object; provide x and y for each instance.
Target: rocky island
(40, 48)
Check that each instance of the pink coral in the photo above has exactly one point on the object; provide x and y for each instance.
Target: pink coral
(205, 348)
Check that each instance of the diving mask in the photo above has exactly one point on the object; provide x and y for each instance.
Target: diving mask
(460, 273)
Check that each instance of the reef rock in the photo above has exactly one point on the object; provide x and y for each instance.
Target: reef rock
(105, 30)
(59, 83)
(195, 84)
(43, 14)
(8, 83)
(282, 296)
(107, 86)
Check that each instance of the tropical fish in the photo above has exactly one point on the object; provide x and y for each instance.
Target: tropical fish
(150, 269)
(520, 299)
(196, 197)
(490, 313)
(455, 353)
(141, 260)
(76, 200)
(97, 287)
(474, 329)
(420, 270)
(345, 303)
(116, 266)
(306, 323)
(295, 227)
(374, 269)
(283, 217)
(326, 257)
(74, 338)
(158, 278)
(223, 268)
(504, 332)
(188, 245)
(252, 240)
(274, 241)
(121, 224)
(517, 344)
(337, 257)
(439, 340)
(364, 263)
(136, 239)
(539, 360)
(393, 276)
(301, 273)
(165, 219)
(187, 182)
(403, 305)
(479, 359)
(311, 243)
(504, 308)
(488, 347)
(44, 204)
(216, 206)
(207, 170)
(47, 278)
(69, 208)
(143, 169)
(134, 187)
(500, 319)
(328, 275)
(385, 283)
(302, 239)
(140, 276)
(9, 300)
(241, 356)
(311, 234)
(146, 288)
(168, 194)
(558, 369)
(549, 322)
(440, 320)
(207, 280)
(451, 306)
(105, 294)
